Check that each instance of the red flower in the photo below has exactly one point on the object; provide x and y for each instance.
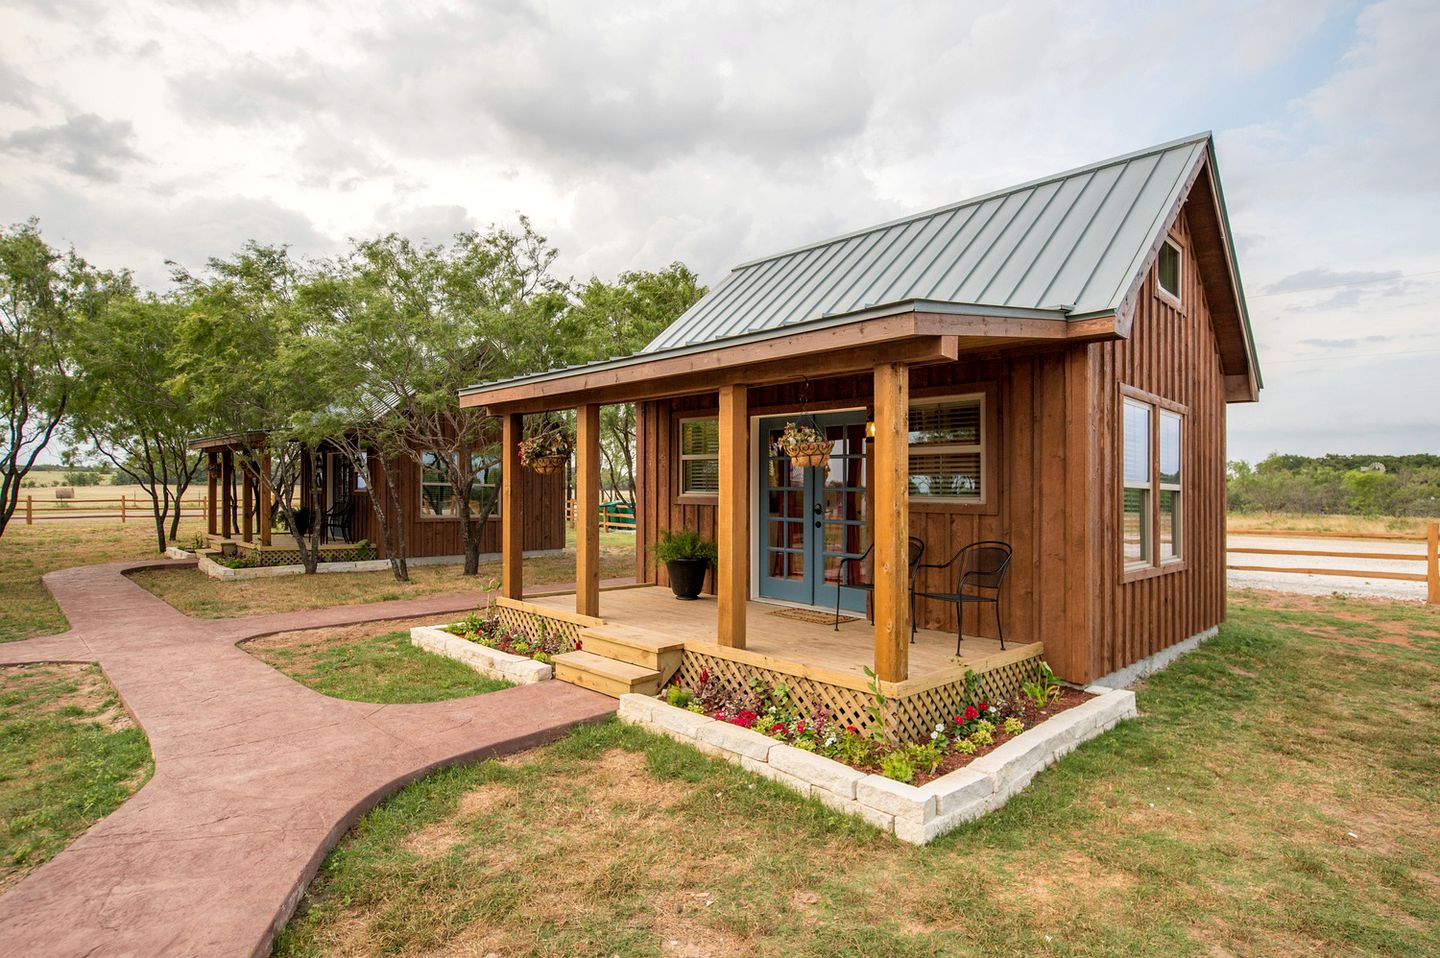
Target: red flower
(579, 645)
(799, 727)
(851, 728)
(984, 706)
(704, 676)
(777, 727)
(970, 713)
(958, 719)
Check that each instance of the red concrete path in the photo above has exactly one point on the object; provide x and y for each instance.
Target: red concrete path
(256, 776)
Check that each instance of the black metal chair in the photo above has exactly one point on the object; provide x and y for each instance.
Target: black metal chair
(338, 520)
(980, 565)
(916, 553)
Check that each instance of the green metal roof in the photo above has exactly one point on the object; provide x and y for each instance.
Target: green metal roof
(1072, 242)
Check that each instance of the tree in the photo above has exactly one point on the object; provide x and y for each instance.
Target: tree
(133, 408)
(44, 297)
(617, 320)
(407, 326)
(243, 356)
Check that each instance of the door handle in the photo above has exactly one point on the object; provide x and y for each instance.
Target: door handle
(818, 523)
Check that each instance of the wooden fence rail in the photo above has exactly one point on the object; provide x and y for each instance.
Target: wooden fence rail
(609, 522)
(1430, 556)
(121, 508)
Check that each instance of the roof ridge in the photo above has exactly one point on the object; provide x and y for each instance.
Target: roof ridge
(1204, 136)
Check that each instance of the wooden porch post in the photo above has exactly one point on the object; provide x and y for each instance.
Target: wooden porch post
(892, 522)
(211, 481)
(227, 482)
(247, 498)
(587, 510)
(512, 527)
(732, 573)
(265, 497)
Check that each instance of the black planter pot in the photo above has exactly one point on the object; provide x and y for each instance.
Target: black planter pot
(687, 576)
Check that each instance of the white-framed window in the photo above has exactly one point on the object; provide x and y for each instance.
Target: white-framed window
(1167, 269)
(1152, 483)
(948, 449)
(437, 496)
(1169, 475)
(700, 456)
(1137, 533)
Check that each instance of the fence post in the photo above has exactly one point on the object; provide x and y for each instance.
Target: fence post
(122, 510)
(29, 510)
(1432, 563)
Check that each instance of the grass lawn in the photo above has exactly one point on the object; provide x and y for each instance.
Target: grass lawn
(194, 594)
(28, 552)
(69, 755)
(374, 662)
(1277, 796)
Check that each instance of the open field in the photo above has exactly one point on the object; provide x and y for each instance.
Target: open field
(374, 662)
(194, 594)
(28, 552)
(69, 755)
(1277, 796)
(1360, 525)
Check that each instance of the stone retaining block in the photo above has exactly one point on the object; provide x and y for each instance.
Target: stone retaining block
(913, 814)
(519, 669)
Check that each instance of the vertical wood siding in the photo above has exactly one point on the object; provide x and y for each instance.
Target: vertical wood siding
(544, 517)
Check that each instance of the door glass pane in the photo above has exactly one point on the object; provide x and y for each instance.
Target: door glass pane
(796, 565)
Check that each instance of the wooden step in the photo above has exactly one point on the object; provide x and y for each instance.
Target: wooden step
(634, 646)
(608, 676)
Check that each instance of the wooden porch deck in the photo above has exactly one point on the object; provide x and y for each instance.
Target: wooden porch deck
(776, 639)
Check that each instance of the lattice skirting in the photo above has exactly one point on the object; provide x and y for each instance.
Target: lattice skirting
(270, 557)
(904, 717)
(533, 624)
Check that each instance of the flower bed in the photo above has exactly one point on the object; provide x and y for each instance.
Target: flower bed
(915, 814)
(980, 728)
(492, 662)
(486, 629)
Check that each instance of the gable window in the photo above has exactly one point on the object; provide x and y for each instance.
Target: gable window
(1152, 483)
(437, 496)
(700, 456)
(1168, 269)
(947, 449)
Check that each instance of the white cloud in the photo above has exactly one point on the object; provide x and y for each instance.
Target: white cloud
(713, 132)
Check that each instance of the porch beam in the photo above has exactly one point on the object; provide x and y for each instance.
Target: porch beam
(227, 483)
(212, 482)
(587, 510)
(512, 516)
(890, 567)
(247, 499)
(732, 572)
(265, 499)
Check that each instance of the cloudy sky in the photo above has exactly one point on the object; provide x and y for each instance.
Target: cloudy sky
(715, 132)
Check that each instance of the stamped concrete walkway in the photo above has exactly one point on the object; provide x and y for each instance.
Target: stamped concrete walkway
(256, 776)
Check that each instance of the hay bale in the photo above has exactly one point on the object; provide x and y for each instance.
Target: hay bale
(65, 492)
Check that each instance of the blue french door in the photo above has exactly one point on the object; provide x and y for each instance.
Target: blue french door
(811, 518)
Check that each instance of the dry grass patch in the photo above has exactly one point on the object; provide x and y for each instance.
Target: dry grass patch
(28, 552)
(1220, 822)
(1352, 525)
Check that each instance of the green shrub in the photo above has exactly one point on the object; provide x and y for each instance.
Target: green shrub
(684, 544)
(897, 766)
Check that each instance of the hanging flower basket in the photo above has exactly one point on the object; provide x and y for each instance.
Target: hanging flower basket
(548, 464)
(547, 451)
(805, 445)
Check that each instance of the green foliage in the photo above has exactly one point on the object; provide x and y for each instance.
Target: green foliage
(982, 737)
(1334, 484)
(678, 697)
(876, 707)
(897, 766)
(1013, 726)
(963, 746)
(1043, 689)
(684, 543)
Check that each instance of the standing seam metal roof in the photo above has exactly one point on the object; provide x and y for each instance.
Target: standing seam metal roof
(1074, 240)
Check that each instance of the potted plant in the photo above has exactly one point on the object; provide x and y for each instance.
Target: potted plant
(687, 558)
(805, 445)
(548, 450)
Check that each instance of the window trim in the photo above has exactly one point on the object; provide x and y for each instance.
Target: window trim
(1177, 297)
(681, 457)
(420, 485)
(983, 448)
(1154, 565)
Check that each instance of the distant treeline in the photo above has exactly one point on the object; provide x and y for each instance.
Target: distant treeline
(1338, 485)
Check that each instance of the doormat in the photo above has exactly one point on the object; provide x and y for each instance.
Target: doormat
(813, 616)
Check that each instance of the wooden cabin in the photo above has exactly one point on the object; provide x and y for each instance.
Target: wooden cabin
(1046, 366)
(239, 517)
